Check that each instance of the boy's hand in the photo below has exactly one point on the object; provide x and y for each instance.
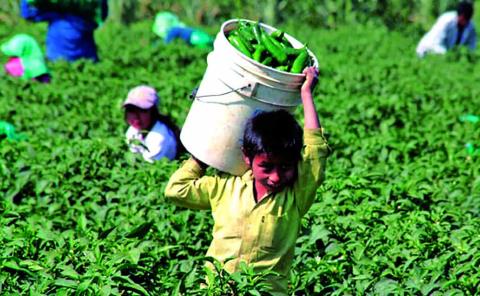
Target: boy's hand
(311, 79)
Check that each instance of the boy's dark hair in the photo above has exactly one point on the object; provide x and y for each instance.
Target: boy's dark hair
(465, 8)
(275, 132)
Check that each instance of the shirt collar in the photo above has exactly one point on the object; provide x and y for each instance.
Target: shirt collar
(154, 129)
(247, 176)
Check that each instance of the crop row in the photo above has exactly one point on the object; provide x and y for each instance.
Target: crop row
(398, 214)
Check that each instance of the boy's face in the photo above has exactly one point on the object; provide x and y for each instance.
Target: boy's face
(272, 173)
(139, 118)
(462, 21)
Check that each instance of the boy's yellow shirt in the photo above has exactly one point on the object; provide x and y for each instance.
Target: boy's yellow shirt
(262, 234)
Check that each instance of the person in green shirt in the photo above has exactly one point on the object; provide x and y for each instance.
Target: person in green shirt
(257, 216)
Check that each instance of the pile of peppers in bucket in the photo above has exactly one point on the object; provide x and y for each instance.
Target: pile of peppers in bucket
(272, 50)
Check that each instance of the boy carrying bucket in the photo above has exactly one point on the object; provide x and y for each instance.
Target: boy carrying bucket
(257, 216)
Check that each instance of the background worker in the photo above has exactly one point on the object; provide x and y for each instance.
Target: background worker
(453, 28)
(150, 133)
(26, 59)
(169, 27)
(70, 31)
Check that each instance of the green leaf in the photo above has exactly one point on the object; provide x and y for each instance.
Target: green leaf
(82, 222)
(130, 284)
(210, 275)
(84, 285)
(31, 265)
(69, 272)
(61, 282)
(13, 265)
(104, 233)
(140, 231)
(134, 255)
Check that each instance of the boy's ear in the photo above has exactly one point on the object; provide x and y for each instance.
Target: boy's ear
(246, 159)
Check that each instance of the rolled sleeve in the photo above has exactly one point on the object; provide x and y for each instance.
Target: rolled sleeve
(188, 187)
(311, 170)
(315, 137)
(192, 166)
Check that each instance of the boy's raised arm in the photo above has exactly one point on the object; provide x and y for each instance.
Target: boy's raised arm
(311, 170)
(311, 120)
(188, 187)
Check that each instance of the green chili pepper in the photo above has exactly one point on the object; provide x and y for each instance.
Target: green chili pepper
(257, 32)
(299, 63)
(282, 46)
(278, 34)
(272, 46)
(245, 42)
(267, 61)
(276, 43)
(243, 25)
(282, 68)
(293, 51)
(285, 42)
(246, 33)
(238, 44)
(257, 54)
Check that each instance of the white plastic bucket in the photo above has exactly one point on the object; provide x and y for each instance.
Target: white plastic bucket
(233, 87)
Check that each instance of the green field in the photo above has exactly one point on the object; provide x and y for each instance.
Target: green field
(398, 214)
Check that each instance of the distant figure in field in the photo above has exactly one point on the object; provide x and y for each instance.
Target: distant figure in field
(70, 30)
(151, 134)
(26, 58)
(170, 28)
(453, 28)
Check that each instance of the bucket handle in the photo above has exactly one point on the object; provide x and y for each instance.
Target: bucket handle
(246, 90)
(244, 86)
